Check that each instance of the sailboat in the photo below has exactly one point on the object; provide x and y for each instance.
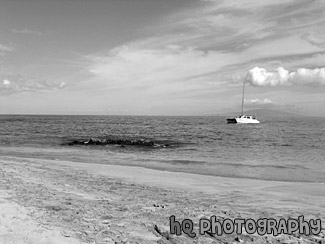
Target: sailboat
(243, 119)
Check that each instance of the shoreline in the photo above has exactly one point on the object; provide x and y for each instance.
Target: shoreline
(96, 201)
(56, 153)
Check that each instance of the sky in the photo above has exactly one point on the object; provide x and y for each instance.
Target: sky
(153, 57)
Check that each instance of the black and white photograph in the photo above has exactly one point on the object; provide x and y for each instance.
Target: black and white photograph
(162, 121)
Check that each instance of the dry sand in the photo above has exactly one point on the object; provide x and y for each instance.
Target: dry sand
(51, 201)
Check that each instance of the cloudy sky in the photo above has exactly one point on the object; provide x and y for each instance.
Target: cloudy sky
(153, 57)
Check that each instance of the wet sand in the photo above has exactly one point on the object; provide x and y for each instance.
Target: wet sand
(55, 201)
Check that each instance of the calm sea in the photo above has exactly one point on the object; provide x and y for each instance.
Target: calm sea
(284, 149)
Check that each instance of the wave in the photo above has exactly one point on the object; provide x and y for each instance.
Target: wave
(263, 166)
(182, 161)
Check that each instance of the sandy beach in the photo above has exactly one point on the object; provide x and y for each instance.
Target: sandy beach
(55, 201)
(162, 122)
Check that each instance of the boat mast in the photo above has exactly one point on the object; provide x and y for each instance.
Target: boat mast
(242, 101)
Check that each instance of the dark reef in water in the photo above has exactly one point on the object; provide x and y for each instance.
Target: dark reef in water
(122, 142)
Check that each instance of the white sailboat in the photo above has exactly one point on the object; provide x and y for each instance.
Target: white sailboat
(243, 119)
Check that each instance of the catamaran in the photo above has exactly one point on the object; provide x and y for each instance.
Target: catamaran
(243, 119)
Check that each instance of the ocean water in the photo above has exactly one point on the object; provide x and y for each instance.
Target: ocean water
(279, 149)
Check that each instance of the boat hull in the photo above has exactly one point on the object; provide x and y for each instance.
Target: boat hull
(231, 121)
(247, 121)
(244, 119)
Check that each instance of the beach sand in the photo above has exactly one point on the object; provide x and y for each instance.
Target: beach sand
(56, 201)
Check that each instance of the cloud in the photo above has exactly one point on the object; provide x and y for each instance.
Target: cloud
(246, 33)
(237, 25)
(258, 101)
(280, 76)
(172, 68)
(18, 83)
(265, 103)
(62, 84)
(5, 49)
(308, 76)
(315, 39)
(6, 83)
(27, 32)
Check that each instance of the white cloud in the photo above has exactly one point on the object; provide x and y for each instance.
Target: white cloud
(303, 76)
(316, 39)
(18, 83)
(246, 33)
(5, 49)
(261, 77)
(308, 76)
(27, 32)
(229, 24)
(258, 101)
(233, 34)
(6, 83)
(62, 84)
(266, 103)
(170, 67)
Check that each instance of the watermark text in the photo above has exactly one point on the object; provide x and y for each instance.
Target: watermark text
(261, 226)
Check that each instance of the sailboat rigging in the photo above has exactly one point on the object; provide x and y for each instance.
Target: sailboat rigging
(242, 118)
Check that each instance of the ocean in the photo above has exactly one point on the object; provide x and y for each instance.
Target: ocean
(278, 149)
